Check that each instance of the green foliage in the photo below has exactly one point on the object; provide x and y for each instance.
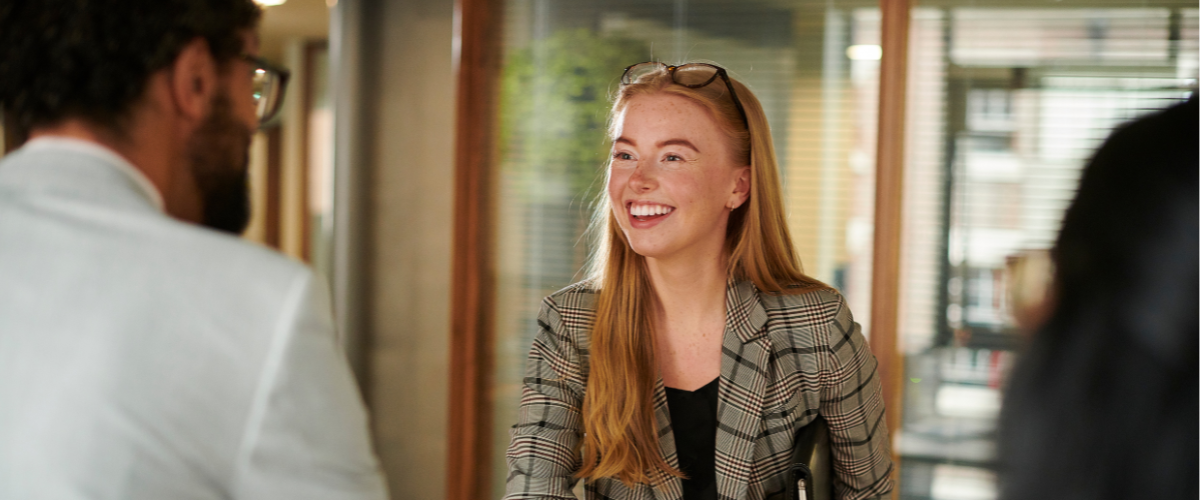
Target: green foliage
(554, 108)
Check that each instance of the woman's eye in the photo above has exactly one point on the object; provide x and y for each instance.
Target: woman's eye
(622, 156)
(674, 158)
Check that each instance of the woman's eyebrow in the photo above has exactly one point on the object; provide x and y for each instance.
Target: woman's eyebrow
(679, 142)
(668, 142)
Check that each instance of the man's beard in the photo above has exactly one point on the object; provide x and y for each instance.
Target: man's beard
(219, 154)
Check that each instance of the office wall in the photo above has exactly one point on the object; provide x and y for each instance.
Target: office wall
(396, 116)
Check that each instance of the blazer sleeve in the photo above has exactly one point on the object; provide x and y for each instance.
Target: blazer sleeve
(853, 407)
(307, 436)
(544, 453)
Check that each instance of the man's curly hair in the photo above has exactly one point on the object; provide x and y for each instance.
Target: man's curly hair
(91, 59)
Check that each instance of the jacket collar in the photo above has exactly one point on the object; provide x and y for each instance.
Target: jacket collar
(744, 312)
(78, 169)
(745, 352)
(744, 360)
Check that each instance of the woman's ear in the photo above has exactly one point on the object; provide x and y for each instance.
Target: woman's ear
(741, 188)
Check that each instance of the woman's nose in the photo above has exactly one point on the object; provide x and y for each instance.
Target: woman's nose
(642, 179)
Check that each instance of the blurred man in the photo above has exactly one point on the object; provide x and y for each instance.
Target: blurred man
(145, 351)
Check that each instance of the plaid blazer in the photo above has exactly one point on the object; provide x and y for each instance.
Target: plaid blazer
(785, 359)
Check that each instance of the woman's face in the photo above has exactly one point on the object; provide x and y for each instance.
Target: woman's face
(672, 179)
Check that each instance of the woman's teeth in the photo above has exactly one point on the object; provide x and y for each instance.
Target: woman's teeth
(649, 210)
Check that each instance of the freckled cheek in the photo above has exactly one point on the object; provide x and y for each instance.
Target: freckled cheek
(616, 185)
(682, 186)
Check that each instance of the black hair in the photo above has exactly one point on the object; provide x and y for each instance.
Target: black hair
(1104, 402)
(91, 59)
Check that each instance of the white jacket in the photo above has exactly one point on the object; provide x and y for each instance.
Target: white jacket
(146, 358)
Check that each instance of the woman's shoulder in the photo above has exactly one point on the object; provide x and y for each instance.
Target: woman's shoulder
(585, 288)
(576, 297)
(568, 313)
(805, 307)
(802, 295)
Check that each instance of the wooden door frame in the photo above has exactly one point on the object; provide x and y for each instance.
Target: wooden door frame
(477, 30)
(889, 206)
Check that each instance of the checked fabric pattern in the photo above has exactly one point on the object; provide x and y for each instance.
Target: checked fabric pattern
(785, 359)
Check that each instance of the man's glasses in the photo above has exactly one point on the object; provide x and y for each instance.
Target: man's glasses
(691, 75)
(270, 82)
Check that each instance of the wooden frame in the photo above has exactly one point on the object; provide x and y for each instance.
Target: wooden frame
(274, 187)
(889, 191)
(477, 63)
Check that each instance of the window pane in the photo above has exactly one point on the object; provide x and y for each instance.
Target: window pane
(1005, 107)
(813, 64)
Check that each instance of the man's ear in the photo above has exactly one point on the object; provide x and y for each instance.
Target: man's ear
(741, 189)
(193, 80)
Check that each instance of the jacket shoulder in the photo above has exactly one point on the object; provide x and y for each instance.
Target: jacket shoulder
(570, 312)
(816, 305)
(225, 258)
(576, 296)
(808, 318)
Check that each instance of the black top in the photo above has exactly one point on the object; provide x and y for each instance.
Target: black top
(694, 423)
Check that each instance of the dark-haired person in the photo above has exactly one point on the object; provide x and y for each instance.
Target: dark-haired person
(685, 365)
(146, 352)
(1104, 403)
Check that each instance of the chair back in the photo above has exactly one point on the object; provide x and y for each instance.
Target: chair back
(811, 476)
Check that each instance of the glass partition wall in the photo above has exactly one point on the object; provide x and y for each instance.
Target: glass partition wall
(1005, 104)
(563, 59)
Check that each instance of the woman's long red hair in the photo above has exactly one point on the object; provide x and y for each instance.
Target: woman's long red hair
(621, 435)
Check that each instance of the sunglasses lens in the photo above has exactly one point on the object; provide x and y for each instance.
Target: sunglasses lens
(637, 71)
(695, 75)
(691, 75)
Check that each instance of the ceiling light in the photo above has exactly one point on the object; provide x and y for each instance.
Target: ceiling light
(269, 3)
(864, 52)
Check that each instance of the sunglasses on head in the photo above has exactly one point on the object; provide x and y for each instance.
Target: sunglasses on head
(691, 75)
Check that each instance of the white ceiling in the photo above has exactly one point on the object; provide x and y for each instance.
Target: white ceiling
(307, 19)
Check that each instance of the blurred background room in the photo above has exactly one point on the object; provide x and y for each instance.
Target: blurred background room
(437, 160)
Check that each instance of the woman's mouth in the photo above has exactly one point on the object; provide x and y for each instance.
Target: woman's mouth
(648, 212)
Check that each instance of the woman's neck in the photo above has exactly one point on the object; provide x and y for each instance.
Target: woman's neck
(689, 289)
(689, 319)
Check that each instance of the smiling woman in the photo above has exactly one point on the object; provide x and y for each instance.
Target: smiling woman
(672, 199)
(685, 364)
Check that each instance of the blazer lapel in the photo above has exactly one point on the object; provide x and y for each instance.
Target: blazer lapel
(666, 486)
(745, 353)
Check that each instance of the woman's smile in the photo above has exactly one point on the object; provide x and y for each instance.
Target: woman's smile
(644, 215)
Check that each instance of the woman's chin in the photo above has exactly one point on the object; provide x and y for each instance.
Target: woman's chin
(656, 251)
(647, 251)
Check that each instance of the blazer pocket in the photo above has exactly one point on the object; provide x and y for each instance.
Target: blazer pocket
(794, 408)
(786, 408)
